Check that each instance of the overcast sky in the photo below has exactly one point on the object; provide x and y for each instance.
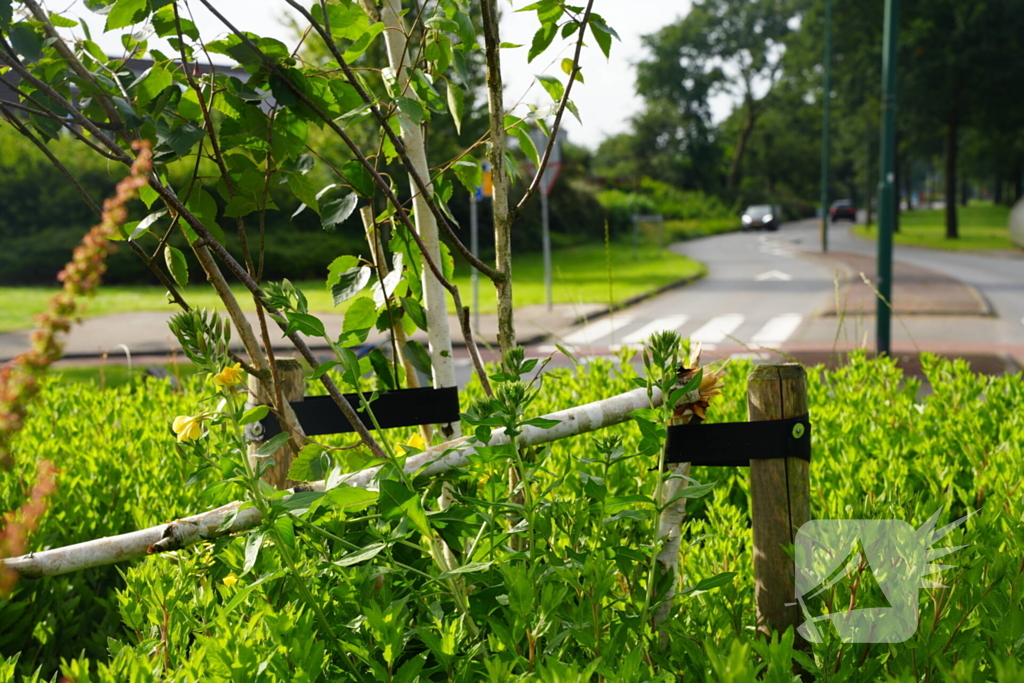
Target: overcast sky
(606, 100)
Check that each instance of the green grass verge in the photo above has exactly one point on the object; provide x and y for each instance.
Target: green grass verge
(983, 226)
(114, 374)
(580, 276)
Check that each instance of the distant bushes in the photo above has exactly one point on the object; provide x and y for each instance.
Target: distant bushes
(688, 213)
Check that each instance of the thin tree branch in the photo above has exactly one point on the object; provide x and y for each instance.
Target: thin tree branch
(398, 144)
(214, 523)
(558, 116)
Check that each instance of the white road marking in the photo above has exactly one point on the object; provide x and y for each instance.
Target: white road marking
(773, 275)
(588, 334)
(669, 322)
(717, 329)
(777, 330)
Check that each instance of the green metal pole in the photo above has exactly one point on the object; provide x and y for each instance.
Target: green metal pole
(886, 189)
(826, 101)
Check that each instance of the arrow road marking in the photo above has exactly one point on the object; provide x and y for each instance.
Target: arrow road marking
(773, 275)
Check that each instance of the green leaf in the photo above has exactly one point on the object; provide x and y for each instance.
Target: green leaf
(350, 283)
(25, 42)
(360, 315)
(309, 464)
(467, 32)
(146, 222)
(414, 310)
(456, 105)
(382, 368)
(358, 177)
(286, 530)
(254, 414)
(396, 502)
(518, 128)
(335, 211)
(553, 86)
(300, 503)
(418, 356)
(253, 544)
(305, 323)
(355, 557)
(468, 568)
(342, 497)
(469, 172)
(542, 422)
(363, 43)
(125, 13)
(442, 24)
(176, 264)
(709, 583)
(268, 448)
(304, 190)
(602, 34)
(541, 40)
(6, 13)
(152, 83)
(413, 110)
(691, 492)
(182, 138)
(55, 19)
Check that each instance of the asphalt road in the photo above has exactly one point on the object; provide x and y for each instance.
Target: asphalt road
(764, 292)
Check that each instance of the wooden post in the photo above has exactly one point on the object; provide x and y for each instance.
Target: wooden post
(292, 378)
(780, 498)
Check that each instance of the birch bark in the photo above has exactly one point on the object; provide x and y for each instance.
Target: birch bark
(436, 309)
(211, 524)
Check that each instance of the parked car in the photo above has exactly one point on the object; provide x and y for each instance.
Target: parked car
(760, 217)
(843, 209)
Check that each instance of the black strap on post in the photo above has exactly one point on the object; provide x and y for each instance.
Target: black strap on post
(401, 408)
(735, 444)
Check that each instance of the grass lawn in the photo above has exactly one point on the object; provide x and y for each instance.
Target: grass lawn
(982, 226)
(580, 276)
(114, 374)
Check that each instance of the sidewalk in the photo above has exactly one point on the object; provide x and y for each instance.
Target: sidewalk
(915, 290)
(146, 333)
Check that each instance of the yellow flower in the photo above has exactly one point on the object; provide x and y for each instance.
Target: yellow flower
(229, 376)
(416, 442)
(187, 428)
(231, 579)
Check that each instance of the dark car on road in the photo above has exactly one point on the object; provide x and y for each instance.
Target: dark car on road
(760, 217)
(843, 209)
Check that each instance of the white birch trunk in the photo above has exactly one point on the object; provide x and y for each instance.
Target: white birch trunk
(435, 296)
(670, 530)
(206, 525)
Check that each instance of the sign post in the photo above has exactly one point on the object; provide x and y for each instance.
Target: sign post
(886, 183)
(474, 240)
(547, 181)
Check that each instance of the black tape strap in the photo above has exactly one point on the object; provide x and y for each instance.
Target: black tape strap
(401, 408)
(735, 444)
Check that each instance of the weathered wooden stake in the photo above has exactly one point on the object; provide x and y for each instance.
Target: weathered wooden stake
(293, 388)
(780, 498)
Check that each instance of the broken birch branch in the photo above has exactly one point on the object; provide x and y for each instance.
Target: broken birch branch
(207, 525)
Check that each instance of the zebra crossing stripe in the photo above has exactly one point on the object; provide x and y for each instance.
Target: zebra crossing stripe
(717, 329)
(777, 330)
(669, 322)
(592, 332)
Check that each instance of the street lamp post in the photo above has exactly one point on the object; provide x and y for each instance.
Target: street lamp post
(886, 183)
(826, 100)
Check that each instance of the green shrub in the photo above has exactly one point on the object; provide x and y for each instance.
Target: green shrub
(687, 213)
(880, 452)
